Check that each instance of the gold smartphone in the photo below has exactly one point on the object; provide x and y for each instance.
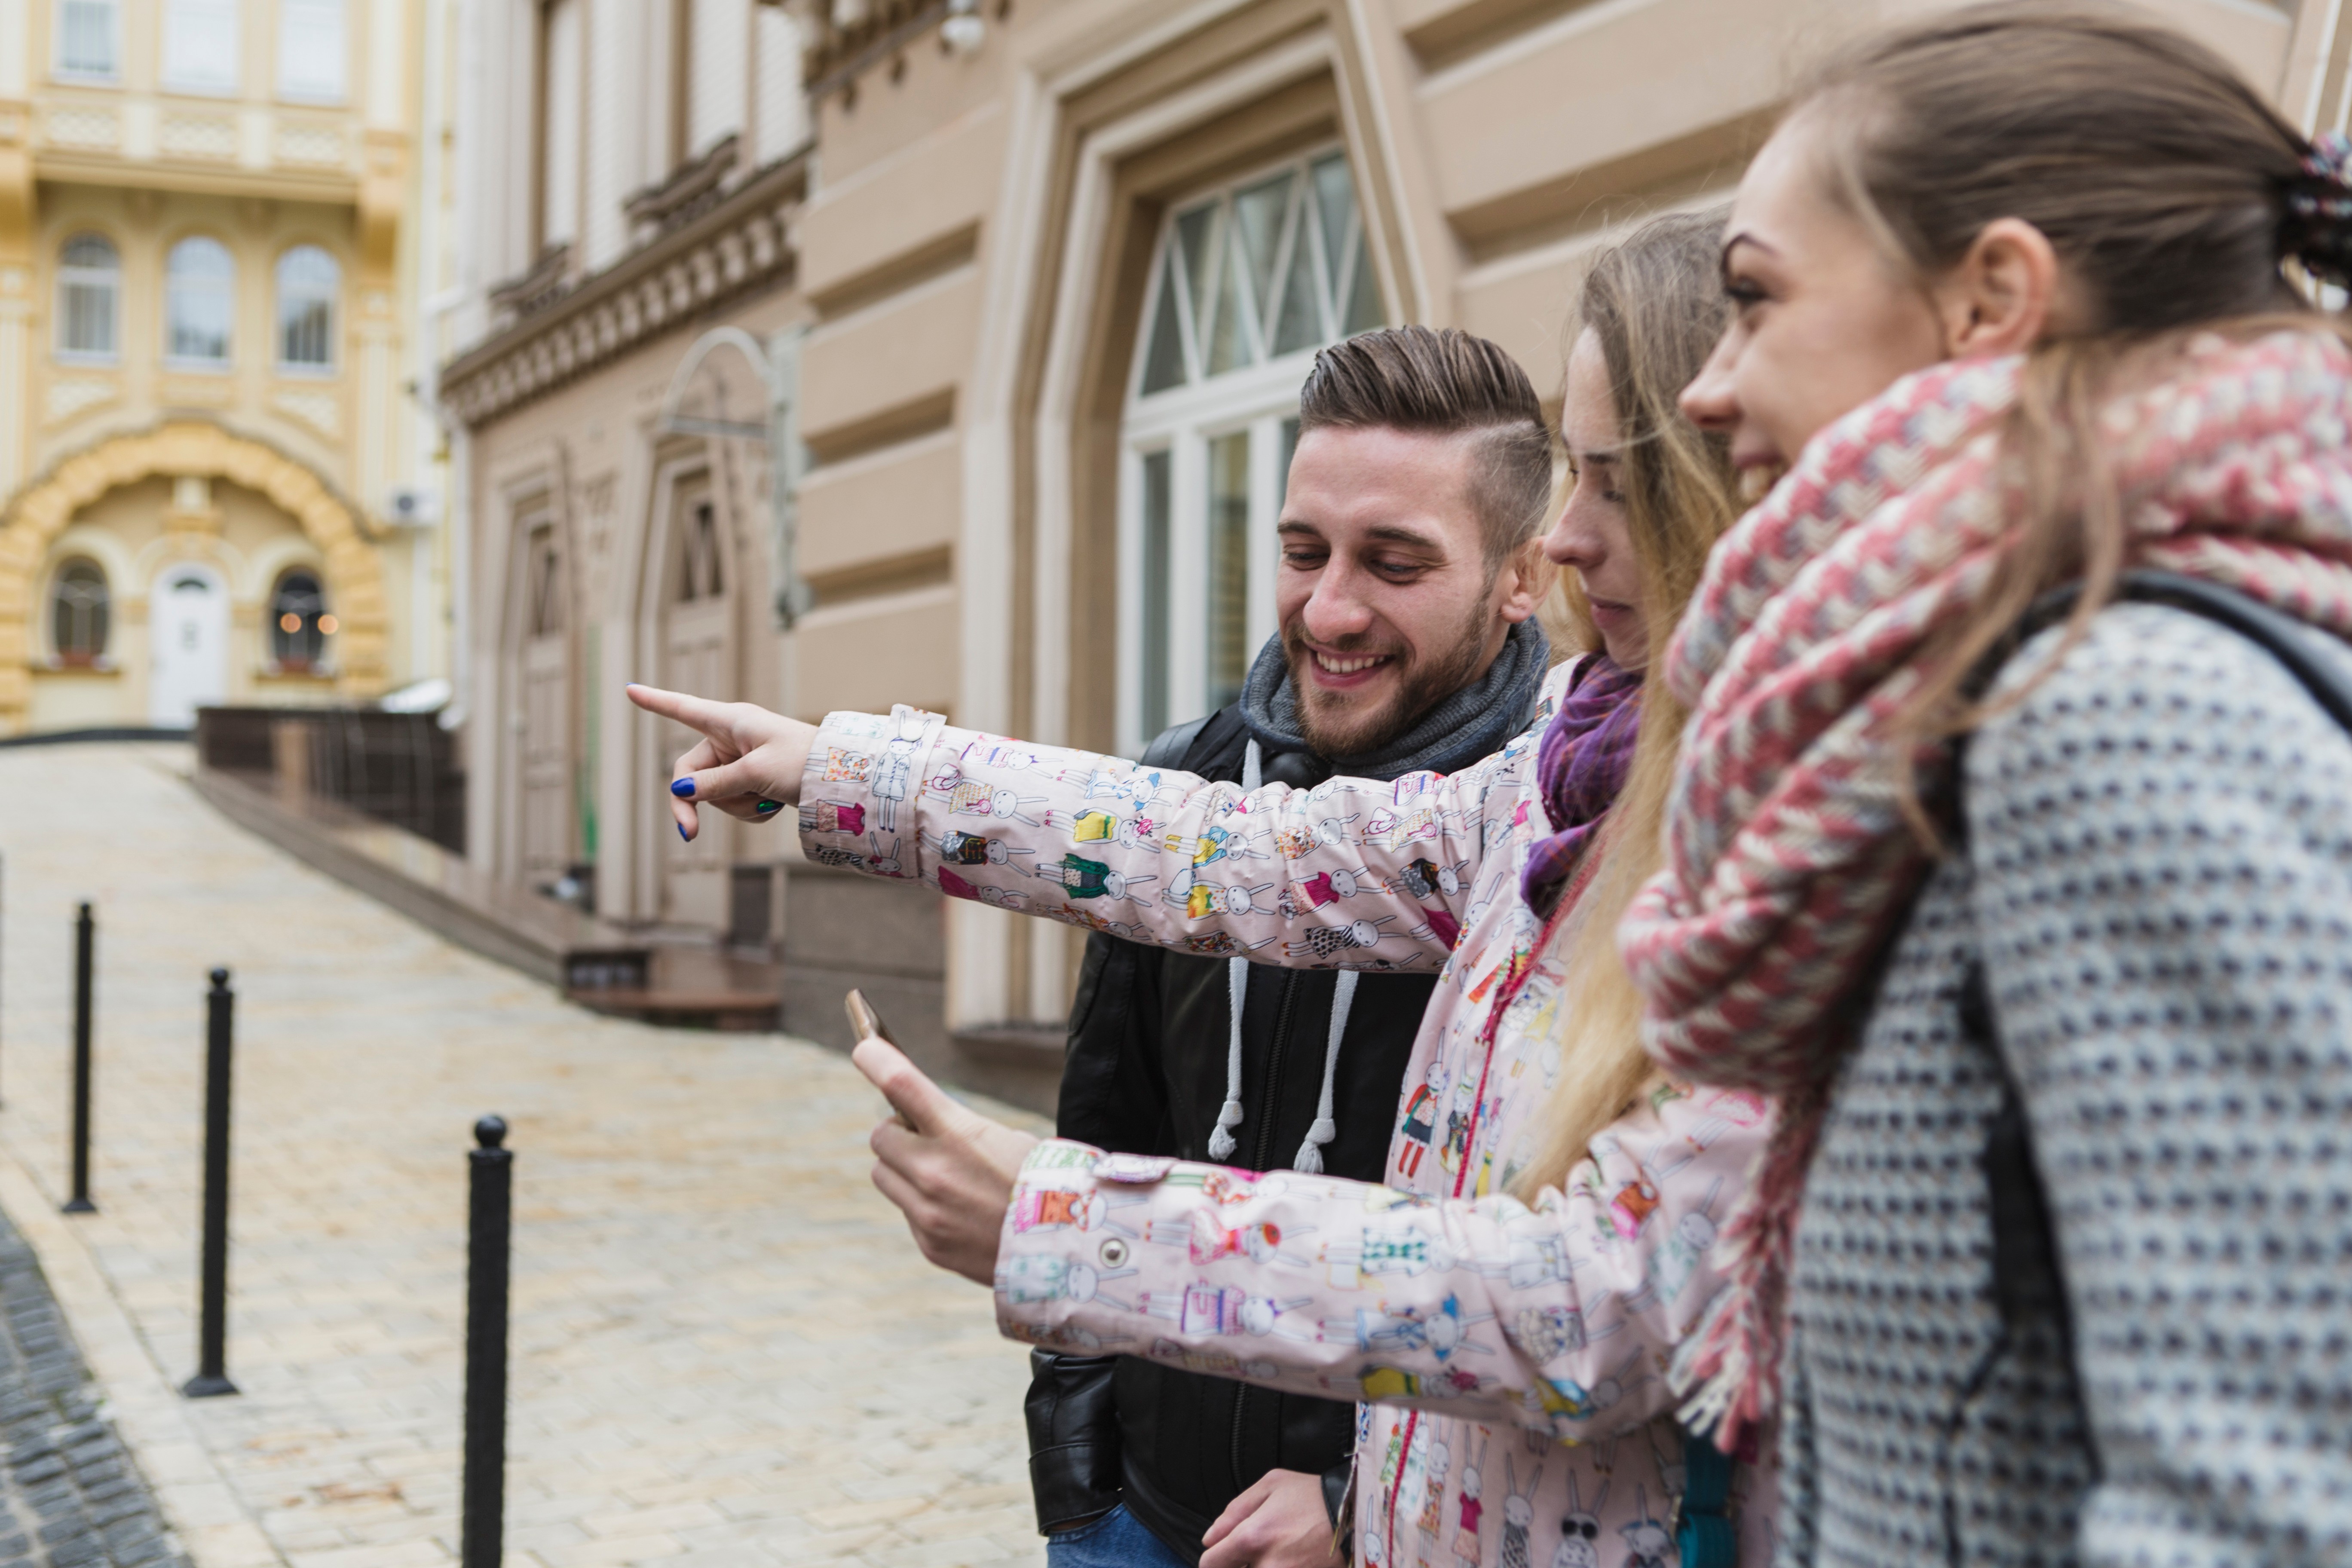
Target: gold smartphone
(865, 1019)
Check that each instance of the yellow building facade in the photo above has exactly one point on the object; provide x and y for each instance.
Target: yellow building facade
(219, 487)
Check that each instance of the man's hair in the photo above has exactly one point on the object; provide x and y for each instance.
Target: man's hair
(1445, 381)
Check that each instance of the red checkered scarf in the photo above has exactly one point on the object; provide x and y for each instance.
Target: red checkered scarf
(1788, 860)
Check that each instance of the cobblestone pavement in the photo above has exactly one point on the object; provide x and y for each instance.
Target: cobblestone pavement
(69, 1497)
(726, 1351)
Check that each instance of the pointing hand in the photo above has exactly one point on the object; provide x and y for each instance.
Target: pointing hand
(748, 763)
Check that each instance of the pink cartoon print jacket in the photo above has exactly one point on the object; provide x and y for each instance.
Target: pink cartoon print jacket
(1509, 1359)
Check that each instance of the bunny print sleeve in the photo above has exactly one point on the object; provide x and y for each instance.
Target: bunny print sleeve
(1352, 874)
(1557, 1318)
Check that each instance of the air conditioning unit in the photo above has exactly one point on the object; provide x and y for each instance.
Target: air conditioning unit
(413, 507)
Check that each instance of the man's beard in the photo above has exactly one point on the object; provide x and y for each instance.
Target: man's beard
(1336, 726)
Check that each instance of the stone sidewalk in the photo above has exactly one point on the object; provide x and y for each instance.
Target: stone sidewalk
(726, 1349)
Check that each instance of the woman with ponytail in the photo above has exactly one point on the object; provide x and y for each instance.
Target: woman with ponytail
(2011, 848)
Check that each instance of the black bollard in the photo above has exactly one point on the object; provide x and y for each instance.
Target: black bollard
(84, 939)
(482, 1532)
(212, 1335)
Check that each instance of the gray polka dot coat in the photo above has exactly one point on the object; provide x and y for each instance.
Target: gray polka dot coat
(2156, 895)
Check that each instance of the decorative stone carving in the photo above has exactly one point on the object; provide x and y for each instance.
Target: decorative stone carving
(67, 398)
(739, 247)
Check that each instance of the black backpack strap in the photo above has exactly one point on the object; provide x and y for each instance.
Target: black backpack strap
(2026, 1280)
(2276, 633)
(1168, 748)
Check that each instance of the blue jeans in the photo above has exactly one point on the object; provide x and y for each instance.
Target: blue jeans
(1116, 1540)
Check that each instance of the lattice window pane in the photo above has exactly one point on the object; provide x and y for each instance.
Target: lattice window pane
(1259, 215)
(1163, 357)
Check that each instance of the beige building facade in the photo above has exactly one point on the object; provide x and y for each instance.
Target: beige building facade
(218, 486)
(1033, 302)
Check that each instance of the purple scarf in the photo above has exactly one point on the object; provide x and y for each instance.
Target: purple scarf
(1580, 764)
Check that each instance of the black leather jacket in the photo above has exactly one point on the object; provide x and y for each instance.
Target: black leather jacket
(1146, 1074)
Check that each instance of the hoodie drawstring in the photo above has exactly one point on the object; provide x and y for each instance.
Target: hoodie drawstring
(1310, 1153)
(1229, 1116)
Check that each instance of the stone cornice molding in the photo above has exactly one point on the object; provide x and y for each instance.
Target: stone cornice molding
(743, 244)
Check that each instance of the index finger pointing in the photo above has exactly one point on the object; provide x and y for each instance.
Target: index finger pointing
(694, 712)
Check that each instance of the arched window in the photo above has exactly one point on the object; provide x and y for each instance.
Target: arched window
(89, 297)
(309, 283)
(199, 302)
(299, 624)
(80, 611)
(1249, 280)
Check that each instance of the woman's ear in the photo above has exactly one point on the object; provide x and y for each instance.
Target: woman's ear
(2001, 296)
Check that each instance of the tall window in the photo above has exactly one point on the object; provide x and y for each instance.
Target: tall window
(78, 613)
(89, 39)
(310, 50)
(718, 71)
(560, 66)
(89, 300)
(199, 303)
(299, 624)
(544, 583)
(698, 577)
(1247, 283)
(309, 283)
(200, 46)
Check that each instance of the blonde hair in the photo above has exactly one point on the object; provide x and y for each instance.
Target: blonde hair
(1654, 305)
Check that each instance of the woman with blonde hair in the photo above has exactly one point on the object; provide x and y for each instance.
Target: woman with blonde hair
(1504, 1305)
(2012, 848)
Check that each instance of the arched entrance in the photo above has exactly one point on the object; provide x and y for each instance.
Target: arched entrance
(189, 449)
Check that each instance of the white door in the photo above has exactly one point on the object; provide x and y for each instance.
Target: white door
(187, 629)
(698, 657)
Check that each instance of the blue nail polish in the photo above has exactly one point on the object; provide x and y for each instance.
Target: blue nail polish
(681, 834)
(683, 789)
(767, 806)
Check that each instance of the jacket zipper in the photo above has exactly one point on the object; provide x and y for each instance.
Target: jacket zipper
(1266, 1087)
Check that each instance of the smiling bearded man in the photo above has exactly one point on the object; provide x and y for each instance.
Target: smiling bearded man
(1406, 595)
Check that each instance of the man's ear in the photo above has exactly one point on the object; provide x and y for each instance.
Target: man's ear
(2003, 296)
(1525, 578)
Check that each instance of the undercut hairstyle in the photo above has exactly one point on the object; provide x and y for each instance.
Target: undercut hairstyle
(1445, 382)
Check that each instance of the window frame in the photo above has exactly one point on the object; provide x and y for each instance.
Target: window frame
(290, 92)
(228, 287)
(62, 351)
(61, 70)
(1261, 399)
(330, 296)
(169, 29)
(273, 631)
(96, 658)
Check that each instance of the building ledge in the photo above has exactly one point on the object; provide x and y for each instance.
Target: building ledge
(738, 245)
